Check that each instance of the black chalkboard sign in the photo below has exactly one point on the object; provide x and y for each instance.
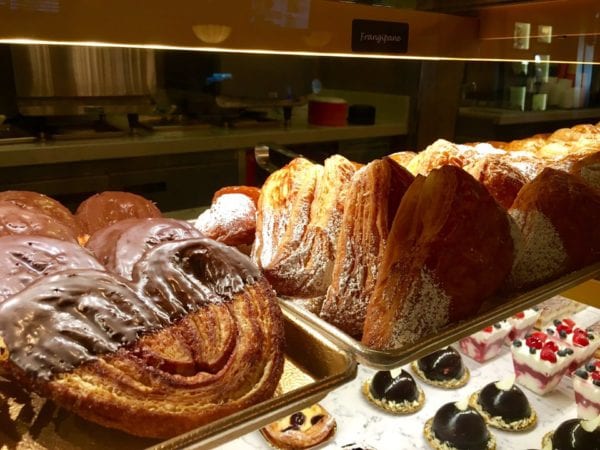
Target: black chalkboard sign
(378, 36)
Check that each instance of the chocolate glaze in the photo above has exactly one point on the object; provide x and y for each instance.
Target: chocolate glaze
(511, 405)
(71, 317)
(399, 389)
(122, 244)
(442, 365)
(27, 222)
(461, 429)
(24, 259)
(570, 435)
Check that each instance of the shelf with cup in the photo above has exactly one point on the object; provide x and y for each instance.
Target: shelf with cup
(501, 116)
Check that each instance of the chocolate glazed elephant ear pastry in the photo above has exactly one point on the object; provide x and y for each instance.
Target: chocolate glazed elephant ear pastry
(371, 203)
(558, 216)
(450, 247)
(303, 224)
(199, 338)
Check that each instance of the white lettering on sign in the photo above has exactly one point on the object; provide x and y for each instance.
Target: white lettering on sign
(379, 38)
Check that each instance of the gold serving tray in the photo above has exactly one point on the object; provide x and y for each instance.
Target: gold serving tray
(495, 309)
(314, 366)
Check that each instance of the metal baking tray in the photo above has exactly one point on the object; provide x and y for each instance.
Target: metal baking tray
(494, 309)
(314, 366)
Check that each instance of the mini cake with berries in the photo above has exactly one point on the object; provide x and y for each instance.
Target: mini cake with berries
(487, 343)
(583, 342)
(540, 362)
(586, 384)
(504, 406)
(522, 323)
(394, 391)
(443, 368)
(458, 426)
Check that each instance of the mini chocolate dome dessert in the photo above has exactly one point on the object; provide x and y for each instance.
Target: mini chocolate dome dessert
(395, 392)
(503, 405)
(458, 426)
(574, 434)
(443, 368)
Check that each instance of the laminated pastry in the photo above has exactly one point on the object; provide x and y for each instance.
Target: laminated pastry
(403, 158)
(24, 259)
(502, 180)
(371, 203)
(197, 337)
(304, 429)
(303, 258)
(16, 221)
(557, 215)
(119, 246)
(231, 218)
(531, 144)
(526, 163)
(42, 203)
(588, 168)
(440, 153)
(104, 209)
(449, 248)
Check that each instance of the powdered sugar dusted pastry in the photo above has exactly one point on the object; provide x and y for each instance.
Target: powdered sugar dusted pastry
(302, 266)
(302, 430)
(557, 214)
(440, 153)
(450, 247)
(371, 203)
(503, 405)
(394, 391)
(403, 158)
(588, 168)
(231, 219)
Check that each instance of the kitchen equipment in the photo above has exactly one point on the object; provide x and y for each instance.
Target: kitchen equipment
(327, 111)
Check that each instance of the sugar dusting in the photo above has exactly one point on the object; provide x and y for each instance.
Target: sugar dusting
(541, 255)
(228, 213)
(425, 310)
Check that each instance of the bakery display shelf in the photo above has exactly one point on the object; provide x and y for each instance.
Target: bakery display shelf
(497, 308)
(314, 366)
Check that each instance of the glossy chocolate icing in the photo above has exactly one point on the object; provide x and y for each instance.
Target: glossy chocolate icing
(442, 365)
(401, 388)
(68, 318)
(511, 404)
(122, 244)
(570, 435)
(461, 429)
(15, 220)
(24, 259)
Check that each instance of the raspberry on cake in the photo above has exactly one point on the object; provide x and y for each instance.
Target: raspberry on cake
(586, 384)
(583, 342)
(487, 343)
(522, 323)
(540, 362)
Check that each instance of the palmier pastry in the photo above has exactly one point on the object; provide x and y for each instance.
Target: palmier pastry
(449, 248)
(588, 168)
(42, 203)
(122, 244)
(440, 153)
(231, 218)
(304, 258)
(24, 259)
(531, 144)
(527, 163)
(501, 179)
(104, 209)
(15, 220)
(302, 430)
(200, 337)
(557, 214)
(403, 158)
(371, 203)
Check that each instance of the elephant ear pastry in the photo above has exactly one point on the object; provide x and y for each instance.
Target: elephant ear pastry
(197, 337)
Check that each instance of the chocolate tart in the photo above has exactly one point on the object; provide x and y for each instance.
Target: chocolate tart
(457, 426)
(394, 393)
(304, 429)
(443, 368)
(574, 434)
(503, 405)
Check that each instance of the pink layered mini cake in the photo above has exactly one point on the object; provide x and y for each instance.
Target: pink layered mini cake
(487, 343)
(586, 384)
(540, 362)
(583, 342)
(522, 323)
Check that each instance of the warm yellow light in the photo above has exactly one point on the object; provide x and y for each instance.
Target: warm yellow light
(280, 52)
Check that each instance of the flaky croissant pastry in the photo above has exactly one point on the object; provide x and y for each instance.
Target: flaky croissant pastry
(198, 337)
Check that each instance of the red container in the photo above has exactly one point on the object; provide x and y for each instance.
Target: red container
(327, 111)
